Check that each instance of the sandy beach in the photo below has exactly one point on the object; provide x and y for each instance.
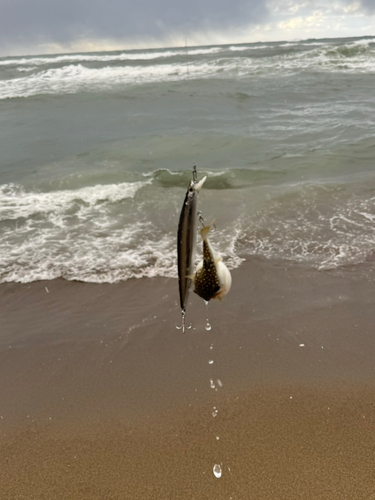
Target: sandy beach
(102, 398)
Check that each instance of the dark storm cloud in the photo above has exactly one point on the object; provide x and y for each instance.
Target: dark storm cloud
(61, 21)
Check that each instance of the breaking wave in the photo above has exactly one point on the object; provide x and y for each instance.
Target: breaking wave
(72, 73)
(110, 57)
(110, 233)
(78, 78)
(87, 234)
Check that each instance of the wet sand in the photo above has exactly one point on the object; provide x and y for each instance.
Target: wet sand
(102, 398)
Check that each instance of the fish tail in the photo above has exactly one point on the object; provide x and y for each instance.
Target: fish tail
(205, 231)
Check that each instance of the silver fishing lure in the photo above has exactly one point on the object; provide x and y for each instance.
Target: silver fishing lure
(186, 241)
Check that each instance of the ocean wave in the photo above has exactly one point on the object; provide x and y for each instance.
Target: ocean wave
(322, 58)
(364, 41)
(94, 256)
(132, 252)
(196, 52)
(149, 55)
(86, 234)
(357, 56)
(97, 247)
(95, 234)
(109, 57)
(15, 202)
(240, 48)
(229, 179)
(26, 70)
(75, 78)
(110, 233)
(349, 50)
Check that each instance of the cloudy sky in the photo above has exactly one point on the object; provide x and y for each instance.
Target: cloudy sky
(50, 26)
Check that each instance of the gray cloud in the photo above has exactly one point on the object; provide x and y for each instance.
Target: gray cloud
(368, 5)
(29, 24)
(292, 6)
(38, 21)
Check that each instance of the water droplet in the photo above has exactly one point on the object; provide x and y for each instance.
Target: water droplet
(220, 383)
(208, 326)
(211, 362)
(217, 470)
(217, 437)
(215, 412)
(212, 384)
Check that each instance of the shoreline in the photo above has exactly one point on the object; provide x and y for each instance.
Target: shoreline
(101, 396)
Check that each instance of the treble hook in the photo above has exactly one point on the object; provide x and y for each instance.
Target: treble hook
(183, 327)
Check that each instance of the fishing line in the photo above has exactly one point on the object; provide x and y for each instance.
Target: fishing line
(187, 60)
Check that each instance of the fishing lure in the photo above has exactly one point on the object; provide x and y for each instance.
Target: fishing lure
(186, 241)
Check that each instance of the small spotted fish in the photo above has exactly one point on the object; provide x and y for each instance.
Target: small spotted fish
(212, 279)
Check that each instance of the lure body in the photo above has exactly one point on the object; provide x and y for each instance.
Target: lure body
(186, 240)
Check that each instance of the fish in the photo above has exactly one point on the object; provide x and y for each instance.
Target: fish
(212, 279)
(186, 240)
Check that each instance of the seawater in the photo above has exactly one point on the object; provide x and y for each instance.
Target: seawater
(97, 149)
